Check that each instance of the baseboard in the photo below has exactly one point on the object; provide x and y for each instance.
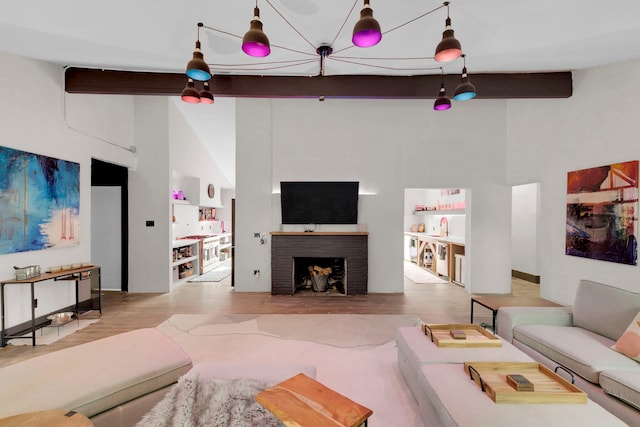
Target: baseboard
(525, 276)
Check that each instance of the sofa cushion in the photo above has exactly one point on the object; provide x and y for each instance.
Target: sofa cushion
(629, 342)
(582, 351)
(604, 309)
(624, 385)
(93, 377)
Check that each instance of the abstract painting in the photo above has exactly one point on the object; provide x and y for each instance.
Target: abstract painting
(602, 213)
(39, 202)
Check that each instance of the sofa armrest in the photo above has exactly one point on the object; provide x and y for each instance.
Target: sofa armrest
(510, 317)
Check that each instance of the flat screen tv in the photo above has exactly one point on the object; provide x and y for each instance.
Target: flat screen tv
(312, 202)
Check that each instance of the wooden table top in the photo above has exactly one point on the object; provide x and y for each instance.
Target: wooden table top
(52, 418)
(494, 302)
(303, 401)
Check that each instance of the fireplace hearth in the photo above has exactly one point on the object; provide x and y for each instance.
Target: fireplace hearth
(325, 247)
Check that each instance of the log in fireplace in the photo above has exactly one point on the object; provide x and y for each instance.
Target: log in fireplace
(352, 247)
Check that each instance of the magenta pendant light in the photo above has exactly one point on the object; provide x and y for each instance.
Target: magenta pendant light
(442, 101)
(255, 42)
(197, 68)
(190, 94)
(366, 32)
(449, 48)
(206, 97)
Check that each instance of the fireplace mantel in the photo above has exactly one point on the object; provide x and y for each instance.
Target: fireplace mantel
(352, 246)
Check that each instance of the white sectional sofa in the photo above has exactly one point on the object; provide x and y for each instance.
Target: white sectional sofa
(116, 380)
(579, 340)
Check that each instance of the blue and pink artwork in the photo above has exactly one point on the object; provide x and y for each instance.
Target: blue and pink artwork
(39, 202)
(602, 213)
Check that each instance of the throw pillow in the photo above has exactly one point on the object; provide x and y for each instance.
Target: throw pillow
(629, 342)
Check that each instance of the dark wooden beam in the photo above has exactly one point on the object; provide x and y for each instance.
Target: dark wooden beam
(488, 86)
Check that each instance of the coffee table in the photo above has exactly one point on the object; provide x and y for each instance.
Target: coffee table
(493, 303)
(303, 401)
(52, 418)
(459, 401)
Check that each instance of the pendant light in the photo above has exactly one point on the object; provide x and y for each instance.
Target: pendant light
(449, 48)
(206, 97)
(366, 32)
(197, 68)
(442, 101)
(465, 90)
(255, 42)
(190, 94)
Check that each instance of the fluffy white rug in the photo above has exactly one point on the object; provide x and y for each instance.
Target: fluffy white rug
(420, 275)
(355, 355)
(196, 402)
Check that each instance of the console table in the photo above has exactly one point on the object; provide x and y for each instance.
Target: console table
(77, 275)
(493, 303)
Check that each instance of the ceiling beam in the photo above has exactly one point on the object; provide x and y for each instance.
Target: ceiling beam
(488, 85)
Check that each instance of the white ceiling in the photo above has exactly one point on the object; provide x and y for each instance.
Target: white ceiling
(159, 35)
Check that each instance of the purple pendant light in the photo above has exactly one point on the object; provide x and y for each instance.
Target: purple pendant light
(442, 101)
(366, 32)
(197, 69)
(190, 94)
(449, 48)
(255, 42)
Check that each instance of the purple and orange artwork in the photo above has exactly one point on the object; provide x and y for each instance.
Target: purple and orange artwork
(602, 213)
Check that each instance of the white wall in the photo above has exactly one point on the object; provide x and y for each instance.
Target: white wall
(386, 145)
(524, 228)
(548, 138)
(33, 110)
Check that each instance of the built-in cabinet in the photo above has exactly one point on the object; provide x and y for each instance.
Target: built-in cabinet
(186, 260)
(438, 254)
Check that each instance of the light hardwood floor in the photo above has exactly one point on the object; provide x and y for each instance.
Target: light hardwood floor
(435, 303)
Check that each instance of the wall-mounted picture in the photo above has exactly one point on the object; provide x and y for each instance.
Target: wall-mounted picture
(602, 213)
(39, 202)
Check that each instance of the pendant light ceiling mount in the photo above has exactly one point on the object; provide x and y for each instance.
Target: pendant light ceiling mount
(366, 33)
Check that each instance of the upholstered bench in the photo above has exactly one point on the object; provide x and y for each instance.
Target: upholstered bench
(93, 377)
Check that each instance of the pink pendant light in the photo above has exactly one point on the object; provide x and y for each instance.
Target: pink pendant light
(190, 94)
(449, 48)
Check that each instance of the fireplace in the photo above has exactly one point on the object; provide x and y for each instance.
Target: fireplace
(325, 247)
(319, 275)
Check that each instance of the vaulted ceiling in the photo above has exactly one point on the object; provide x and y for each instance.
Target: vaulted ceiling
(158, 36)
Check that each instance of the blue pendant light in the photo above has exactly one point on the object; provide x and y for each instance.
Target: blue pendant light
(197, 68)
(465, 90)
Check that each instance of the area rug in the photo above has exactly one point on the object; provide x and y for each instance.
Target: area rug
(420, 275)
(216, 275)
(355, 355)
(49, 335)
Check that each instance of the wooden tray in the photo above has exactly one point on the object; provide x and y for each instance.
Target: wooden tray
(548, 387)
(476, 336)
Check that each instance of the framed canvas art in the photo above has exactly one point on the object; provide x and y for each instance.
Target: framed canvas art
(39, 202)
(602, 213)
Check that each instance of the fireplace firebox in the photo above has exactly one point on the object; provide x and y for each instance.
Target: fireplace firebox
(314, 274)
(351, 247)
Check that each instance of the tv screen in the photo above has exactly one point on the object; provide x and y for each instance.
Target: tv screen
(319, 202)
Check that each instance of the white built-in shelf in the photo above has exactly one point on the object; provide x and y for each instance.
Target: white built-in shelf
(184, 260)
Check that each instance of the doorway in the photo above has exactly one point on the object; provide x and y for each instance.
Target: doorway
(109, 224)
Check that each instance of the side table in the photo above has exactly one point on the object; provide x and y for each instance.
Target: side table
(52, 418)
(303, 401)
(493, 303)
